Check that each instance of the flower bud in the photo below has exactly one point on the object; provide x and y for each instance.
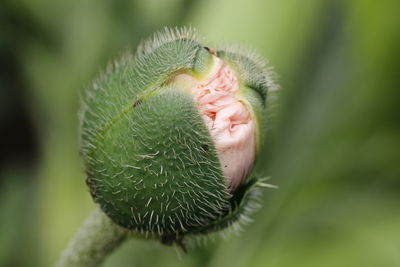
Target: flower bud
(170, 135)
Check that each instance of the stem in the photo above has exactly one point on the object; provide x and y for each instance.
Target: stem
(97, 237)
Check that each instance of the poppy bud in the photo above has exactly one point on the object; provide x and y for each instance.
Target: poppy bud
(170, 135)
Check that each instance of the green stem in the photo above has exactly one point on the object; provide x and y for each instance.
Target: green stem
(97, 237)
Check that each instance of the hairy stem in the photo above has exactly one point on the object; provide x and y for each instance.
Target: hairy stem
(97, 238)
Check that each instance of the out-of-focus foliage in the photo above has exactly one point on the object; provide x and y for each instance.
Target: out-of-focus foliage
(333, 146)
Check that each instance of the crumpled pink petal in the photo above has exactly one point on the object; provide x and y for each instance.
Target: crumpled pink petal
(229, 120)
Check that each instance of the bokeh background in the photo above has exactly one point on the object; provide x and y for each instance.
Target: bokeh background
(333, 145)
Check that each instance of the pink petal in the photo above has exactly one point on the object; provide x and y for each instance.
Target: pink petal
(230, 120)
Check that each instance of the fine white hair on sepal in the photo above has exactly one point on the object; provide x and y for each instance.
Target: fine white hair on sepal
(245, 51)
(235, 226)
(166, 35)
(270, 75)
(89, 91)
(262, 183)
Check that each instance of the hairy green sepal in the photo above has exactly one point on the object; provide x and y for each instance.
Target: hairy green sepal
(150, 160)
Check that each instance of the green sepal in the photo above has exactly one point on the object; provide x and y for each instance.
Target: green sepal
(156, 169)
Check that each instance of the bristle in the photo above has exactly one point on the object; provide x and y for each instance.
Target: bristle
(253, 204)
(166, 35)
(245, 51)
(261, 62)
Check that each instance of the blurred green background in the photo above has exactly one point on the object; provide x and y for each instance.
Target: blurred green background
(333, 145)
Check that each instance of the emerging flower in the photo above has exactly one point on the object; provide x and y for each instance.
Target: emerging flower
(169, 136)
